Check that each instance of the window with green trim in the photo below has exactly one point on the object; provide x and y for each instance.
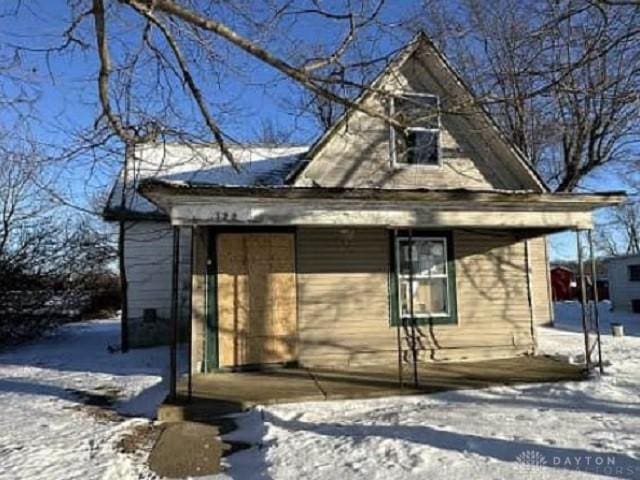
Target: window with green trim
(424, 279)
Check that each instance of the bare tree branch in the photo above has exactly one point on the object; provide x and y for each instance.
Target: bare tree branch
(299, 75)
(188, 79)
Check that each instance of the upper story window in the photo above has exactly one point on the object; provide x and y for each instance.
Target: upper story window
(634, 273)
(419, 142)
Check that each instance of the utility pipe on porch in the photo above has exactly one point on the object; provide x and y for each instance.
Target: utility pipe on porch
(173, 373)
(594, 286)
(583, 302)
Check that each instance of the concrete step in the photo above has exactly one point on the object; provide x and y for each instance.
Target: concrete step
(187, 449)
(204, 411)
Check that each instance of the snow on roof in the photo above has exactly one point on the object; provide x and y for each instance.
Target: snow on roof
(260, 165)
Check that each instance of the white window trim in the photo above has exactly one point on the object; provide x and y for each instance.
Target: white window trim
(401, 276)
(392, 134)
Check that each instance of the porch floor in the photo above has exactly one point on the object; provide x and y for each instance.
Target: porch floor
(217, 394)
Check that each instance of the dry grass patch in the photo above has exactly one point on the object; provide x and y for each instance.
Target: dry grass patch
(139, 438)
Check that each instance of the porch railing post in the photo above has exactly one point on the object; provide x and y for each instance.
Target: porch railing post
(173, 367)
(414, 346)
(583, 301)
(190, 317)
(596, 299)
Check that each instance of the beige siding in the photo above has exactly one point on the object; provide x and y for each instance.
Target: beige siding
(343, 294)
(493, 303)
(540, 280)
(343, 307)
(343, 299)
(622, 291)
(198, 283)
(358, 154)
(256, 298)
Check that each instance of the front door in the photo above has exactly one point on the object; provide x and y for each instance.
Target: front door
(256, 298)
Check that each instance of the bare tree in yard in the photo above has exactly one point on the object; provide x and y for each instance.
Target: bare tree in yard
(177, 36)
(618, 233)
(562, 78)
(49, 260)
(23, 232)
(26, 232)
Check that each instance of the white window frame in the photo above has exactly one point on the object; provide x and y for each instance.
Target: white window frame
(392, 135)
(400, 276)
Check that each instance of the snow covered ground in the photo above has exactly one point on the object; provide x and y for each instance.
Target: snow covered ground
(47, 430)
(569, 430)
(562, 430)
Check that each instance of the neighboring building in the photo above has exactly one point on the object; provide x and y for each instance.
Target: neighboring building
(563, 284)
(624, 283)
(329, 255)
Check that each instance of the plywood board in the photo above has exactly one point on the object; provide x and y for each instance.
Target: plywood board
(256, 298)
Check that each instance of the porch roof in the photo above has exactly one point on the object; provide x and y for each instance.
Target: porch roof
(206, 204)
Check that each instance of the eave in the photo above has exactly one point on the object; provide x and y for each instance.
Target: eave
(192, 204)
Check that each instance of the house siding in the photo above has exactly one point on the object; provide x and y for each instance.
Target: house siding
(148, 260)
(621, 290)
(199, 302)
(358, 153)
(541, 281)
(343, 310)
(343, 301)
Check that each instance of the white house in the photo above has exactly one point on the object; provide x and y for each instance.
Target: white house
(624, 282)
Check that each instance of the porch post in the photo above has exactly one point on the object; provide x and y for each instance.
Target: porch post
(414, 351)
(594, 286)
(583, 301)
(190, 316)
(173, 373)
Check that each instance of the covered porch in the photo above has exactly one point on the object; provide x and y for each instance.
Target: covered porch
(492, 231)
(230, 392)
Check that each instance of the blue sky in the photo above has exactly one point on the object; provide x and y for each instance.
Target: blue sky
(66, 90)
(64, 83)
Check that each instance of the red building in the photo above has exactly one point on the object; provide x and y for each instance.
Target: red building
(563, 284)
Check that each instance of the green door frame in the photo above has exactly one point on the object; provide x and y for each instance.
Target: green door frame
(211, 304)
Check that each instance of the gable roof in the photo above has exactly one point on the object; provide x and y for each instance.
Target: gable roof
(419, 43)
(195, 165)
